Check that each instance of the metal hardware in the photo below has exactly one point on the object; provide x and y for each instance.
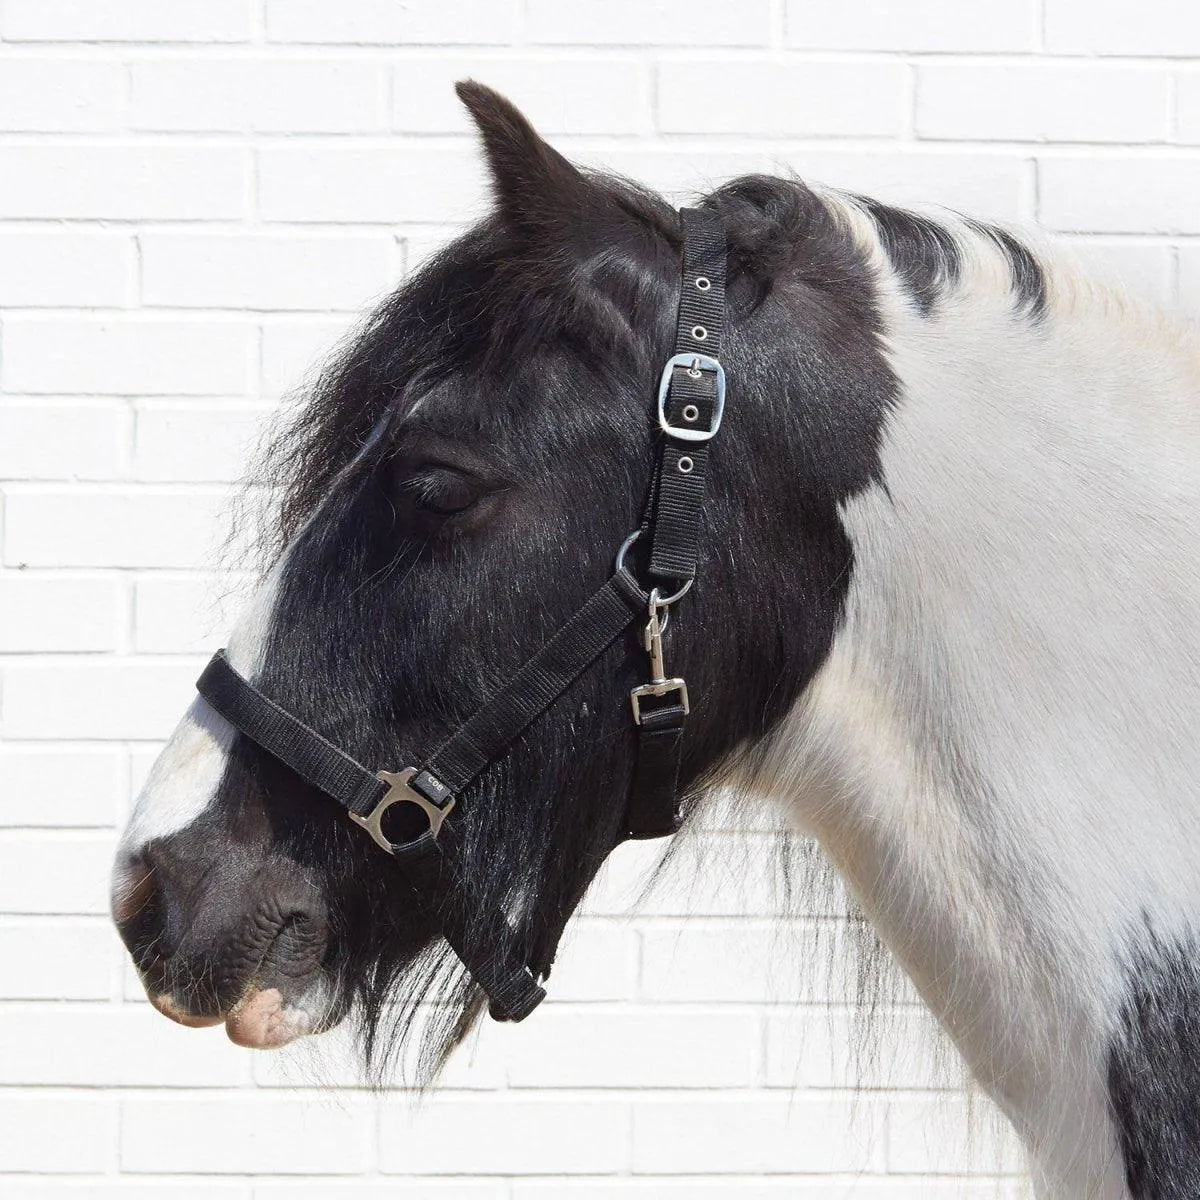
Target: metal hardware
(620, 566)
(703, 283)
(696, 365)
(684, 465)
(700, 333)
(400, 791)
(691, 412)
(659, 684)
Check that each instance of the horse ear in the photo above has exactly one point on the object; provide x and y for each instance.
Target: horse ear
(533, 183)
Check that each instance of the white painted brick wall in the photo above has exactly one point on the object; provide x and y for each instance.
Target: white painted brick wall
(196, 200)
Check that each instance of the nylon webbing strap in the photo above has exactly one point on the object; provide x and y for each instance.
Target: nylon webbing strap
(301, 747)
(691, 405)
(691, 401)
(480, 936)
(501, 720)
(653, 799)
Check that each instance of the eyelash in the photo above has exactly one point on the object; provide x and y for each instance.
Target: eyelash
(427, 489)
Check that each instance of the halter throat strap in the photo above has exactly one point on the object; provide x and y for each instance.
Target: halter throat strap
(691, 401)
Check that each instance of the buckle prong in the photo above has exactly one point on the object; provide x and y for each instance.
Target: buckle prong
(400, 791)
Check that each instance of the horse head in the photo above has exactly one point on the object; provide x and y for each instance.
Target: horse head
(453, 491)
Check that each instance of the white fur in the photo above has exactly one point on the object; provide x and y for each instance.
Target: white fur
(184, 779)
(1001, 753)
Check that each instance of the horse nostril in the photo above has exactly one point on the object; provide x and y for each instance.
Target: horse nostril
(138, 909)
(210, 933)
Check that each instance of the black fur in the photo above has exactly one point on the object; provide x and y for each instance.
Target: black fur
(1154, 1070)
(922, 252)
(1028, 278)
(929, 262)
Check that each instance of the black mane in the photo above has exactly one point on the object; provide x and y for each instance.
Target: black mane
(481, 306)
(926, 256)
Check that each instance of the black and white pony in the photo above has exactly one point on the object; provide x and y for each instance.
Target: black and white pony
(947, 617)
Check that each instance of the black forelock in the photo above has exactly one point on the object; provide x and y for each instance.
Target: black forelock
(484, 306)
(494, 297)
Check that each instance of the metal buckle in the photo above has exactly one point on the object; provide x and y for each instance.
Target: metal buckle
(400, 791)
(694, 363)
(626, 546)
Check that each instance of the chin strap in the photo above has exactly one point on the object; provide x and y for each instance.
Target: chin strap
(691, 403)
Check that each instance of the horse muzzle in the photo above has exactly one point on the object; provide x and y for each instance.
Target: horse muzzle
(231, 941)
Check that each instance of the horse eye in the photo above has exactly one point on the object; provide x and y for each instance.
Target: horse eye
(445, 493)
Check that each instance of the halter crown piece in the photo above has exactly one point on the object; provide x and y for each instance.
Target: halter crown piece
(691, 403)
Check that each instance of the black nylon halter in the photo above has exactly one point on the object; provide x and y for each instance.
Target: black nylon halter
(691, 402)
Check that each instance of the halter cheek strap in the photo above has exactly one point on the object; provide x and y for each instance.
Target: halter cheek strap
(691, 403)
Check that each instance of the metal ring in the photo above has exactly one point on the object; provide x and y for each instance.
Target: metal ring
(685, 470)
(620, 566)
(703, 283)
(656, 601)
(400, 791)
(690, 412)
(700, 333)
(625, 546)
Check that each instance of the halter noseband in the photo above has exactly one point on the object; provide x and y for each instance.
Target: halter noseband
(691, 403)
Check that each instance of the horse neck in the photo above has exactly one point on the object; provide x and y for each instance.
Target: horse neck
(1000, 752)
